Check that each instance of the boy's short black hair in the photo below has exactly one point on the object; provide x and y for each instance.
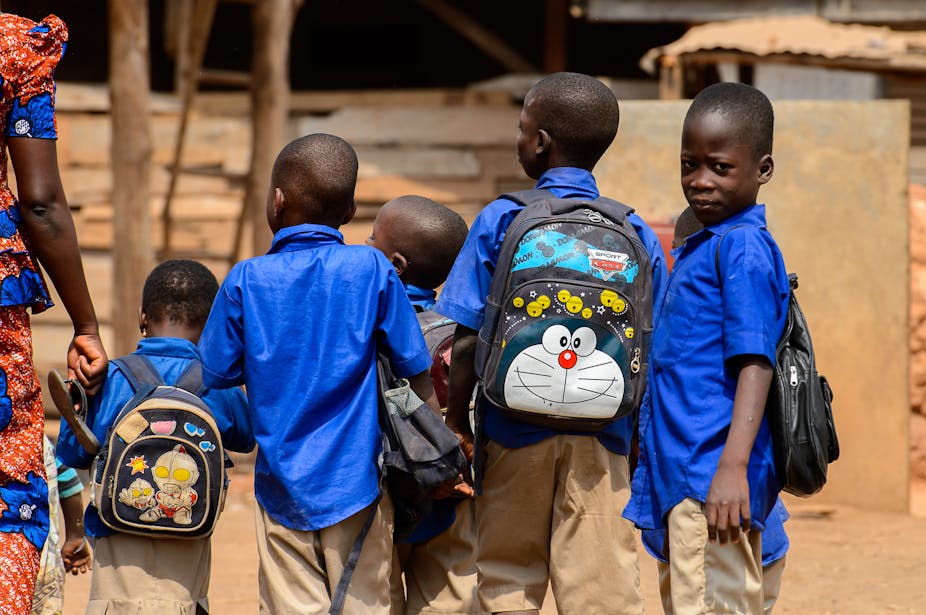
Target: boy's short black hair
(429, 236)
(745, 108)
(579, 112)
(319, 173)
(179, 291)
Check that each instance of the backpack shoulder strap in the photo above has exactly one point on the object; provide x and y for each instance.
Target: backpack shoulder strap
(191, 380)
(139, 371)
(528, 197)
(602, 204)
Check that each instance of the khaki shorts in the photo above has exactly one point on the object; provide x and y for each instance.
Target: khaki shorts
(704, 577)
(300, 570)
(551, 512)
(440, 573)
(134, 575)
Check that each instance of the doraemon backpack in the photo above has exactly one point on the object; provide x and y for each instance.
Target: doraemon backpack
(568, 318)
(162, 470)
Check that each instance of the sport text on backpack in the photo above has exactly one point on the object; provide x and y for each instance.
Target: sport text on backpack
(799, 409)
(161, 472)
(568, 318)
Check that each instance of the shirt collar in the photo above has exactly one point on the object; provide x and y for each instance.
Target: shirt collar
(293, 237)
(171, 346)
(754, 215)
(571, 181)
(423, 298)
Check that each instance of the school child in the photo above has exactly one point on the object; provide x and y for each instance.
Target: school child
(706, 472)
(64, 495)
(301, 327)
(138, 574)
(35, 228)
(551, 501)
(422, 238)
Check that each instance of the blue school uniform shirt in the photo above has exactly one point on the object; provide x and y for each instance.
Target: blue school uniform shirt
(699, 329)
(422, 299)
(170, 356)
(775, 541)
(464, 295)
(300, 327)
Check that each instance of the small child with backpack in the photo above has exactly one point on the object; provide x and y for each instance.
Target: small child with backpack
(422, 238)
(301, 327)
(561, 357)
(159, 478)
(706, 473)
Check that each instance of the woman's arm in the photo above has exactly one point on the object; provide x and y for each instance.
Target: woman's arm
(48, 225)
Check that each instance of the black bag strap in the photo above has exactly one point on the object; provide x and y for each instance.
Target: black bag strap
(792, 277)
(602, 204)
(139, 371)
(191, 380)
(340, 592)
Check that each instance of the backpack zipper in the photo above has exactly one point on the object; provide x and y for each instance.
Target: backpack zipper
(793, 371)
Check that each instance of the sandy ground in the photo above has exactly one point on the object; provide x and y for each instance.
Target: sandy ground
(843, 561)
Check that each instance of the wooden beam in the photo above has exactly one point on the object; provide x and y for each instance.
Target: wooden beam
(554, 52)
(129, 89)
(273, 24)
(479, 35)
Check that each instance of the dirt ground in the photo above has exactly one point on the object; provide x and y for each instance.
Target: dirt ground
(843, 561)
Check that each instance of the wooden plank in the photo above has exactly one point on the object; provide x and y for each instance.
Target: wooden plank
(479, 35)
(131, 161)
(554, 51)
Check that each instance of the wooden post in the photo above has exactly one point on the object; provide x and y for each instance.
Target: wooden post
(554, 51)
(273, 23)
(130, 149)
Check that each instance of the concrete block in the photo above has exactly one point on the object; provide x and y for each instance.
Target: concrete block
(417, 162)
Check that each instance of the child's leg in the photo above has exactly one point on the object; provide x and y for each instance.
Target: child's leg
(134, 574)
(593, 566)
(711, 577)
(513, 516)
(440, 574)
(771, 584)
(400, 554)
(299, 571)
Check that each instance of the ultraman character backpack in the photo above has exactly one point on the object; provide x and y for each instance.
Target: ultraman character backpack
(565, 338)
(162, 470)
(438, 336)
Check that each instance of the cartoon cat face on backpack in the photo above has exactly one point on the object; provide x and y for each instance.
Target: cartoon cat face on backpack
(560, 366)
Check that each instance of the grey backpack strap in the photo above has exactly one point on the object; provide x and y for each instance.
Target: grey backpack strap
(139, 371)
(191, 379)
(340, 592)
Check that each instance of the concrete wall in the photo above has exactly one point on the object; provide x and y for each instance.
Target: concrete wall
(838, 208)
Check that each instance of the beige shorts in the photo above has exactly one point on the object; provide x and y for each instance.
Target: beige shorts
(134, 575)
(704, 577)
(300, 570)
(440, 573)
(551, 512)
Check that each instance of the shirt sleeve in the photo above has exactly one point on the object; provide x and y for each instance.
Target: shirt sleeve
(753, 297)
(230, 409)
(68, 482)
(104, 407)
(32, 113)
(398, 331)
(222, 342)
(463, 298)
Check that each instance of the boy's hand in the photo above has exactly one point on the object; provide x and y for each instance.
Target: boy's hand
(76, 555)
(87, 361)
(727, 506)
(466, 437)
(455, 487)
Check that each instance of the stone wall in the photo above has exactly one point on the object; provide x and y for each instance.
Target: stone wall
(918, 330)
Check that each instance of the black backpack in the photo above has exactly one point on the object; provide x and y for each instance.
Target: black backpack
(565, 338)
(420, 453)
(799, 406)
(799, 409)
(162, 471)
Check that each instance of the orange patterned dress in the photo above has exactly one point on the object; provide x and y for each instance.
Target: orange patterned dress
(29, 53)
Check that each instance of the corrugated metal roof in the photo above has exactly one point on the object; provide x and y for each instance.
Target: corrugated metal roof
(809, 36)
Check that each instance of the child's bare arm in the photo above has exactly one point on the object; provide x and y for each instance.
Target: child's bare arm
(421, 385)
(75, 551)
(727, 507)
(462, 383)
(48, 224)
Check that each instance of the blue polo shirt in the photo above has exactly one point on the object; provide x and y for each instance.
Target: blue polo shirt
(422, 299)
(300, 327)
(699, 330)
(170, 356)
(464, 295)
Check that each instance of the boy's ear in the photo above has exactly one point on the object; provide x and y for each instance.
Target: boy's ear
(350, 212)
(766, 168)
(400, 263)
(142, 319)
(279, 202)
(543, 141)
